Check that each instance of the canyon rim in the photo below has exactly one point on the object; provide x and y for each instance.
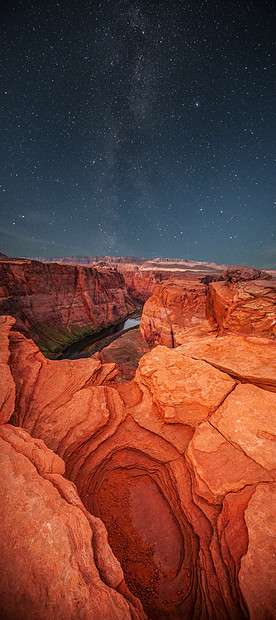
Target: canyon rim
(139, 482)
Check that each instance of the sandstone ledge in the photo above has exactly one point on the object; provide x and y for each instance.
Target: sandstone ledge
(172, 466)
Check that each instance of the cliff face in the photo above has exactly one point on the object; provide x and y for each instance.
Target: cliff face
(142, 274)
(244, 307)
(173, 307)
(177, 463)
(56, 304)
(244, 303)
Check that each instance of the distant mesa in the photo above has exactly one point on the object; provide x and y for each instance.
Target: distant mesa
(141, 262)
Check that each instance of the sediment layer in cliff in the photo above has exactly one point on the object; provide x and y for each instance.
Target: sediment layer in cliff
(56, 304)
(244, 302)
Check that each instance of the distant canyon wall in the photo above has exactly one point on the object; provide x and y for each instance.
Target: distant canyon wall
(56, 304)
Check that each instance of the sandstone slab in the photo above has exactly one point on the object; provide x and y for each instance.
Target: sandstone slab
(258, 565)
(249, 359)
(247, 419)
(218, 466)
(185, 390)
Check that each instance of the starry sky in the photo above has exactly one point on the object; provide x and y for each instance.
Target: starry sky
(138, 128)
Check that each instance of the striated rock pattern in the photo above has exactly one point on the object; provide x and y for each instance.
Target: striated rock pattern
(173, 306)
(177, 463)
(55, 558)
(56, 304)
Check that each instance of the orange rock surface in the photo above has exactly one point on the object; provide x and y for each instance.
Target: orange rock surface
(7, 391)
(49, 544)
(184, 390)
(244, 303)
(257, 573)
(178, 463)
(177, 304)
(249, 358)
(244, 306)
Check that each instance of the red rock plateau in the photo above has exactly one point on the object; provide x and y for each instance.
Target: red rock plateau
(158, 490)
(56, 304)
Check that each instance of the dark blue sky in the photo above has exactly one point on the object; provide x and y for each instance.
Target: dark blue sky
(138, 128)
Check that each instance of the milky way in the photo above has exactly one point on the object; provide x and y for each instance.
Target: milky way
(138, 128)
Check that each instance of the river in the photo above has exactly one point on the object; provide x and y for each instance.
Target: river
(96, 342)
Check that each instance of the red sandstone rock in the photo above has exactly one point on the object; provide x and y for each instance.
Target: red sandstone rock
(7, 391)
(186, 335)
(48, 566)
(247, 419)
(183, 389)
(50, 300)
(178, 304)
(173, 488)
(245, 307)
(55, 398)
(248, 359)
(257, 574)
(220, 467)
(141, 281)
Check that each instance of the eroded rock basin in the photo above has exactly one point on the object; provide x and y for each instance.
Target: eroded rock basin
(144, 534)
(178, 463)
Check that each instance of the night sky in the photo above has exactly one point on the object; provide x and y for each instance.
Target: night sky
(138, 128)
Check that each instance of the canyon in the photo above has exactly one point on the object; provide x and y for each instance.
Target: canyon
(139, 482)
(56, 304)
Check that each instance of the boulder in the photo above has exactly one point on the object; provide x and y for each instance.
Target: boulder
(244, 306)
(246, 358)
(173, 305)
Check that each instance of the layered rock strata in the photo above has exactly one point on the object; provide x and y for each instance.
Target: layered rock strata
(178, 464)
(56, 304)
(244, 303)
(55, 558)
(141, 274)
